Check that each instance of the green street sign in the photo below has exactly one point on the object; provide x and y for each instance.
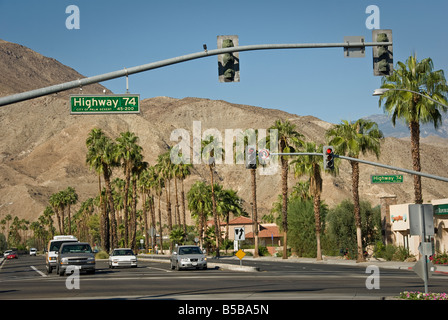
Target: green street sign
(103, 104)
(441, 209)
(393, 178)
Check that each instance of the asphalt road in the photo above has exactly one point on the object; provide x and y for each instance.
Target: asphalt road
(25, 278)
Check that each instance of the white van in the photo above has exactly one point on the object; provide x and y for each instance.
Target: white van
(51, 253)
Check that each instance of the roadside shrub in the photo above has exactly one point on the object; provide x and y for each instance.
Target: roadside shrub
(102, 255)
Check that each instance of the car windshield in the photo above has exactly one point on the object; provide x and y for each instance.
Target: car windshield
(123, 252)
(190, 250)
(77, 248)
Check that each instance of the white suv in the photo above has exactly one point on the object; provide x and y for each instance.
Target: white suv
(51, 254)
(33, 252)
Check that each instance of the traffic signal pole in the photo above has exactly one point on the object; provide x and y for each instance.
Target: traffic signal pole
(418, 173)
(163, 63)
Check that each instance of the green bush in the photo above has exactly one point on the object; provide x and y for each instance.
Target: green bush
(390, 252)
(102, 255)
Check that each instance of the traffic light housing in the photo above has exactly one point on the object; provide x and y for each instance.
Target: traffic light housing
(383, 63)
(228, 63)
(251, 157)
(328, 157)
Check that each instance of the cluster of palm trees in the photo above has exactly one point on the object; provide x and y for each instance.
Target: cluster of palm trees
(105, 154)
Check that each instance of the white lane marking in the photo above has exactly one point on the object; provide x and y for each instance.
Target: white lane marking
(38, 271)
(159, 269)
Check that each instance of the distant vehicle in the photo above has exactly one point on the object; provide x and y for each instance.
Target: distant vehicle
(5, 254)
(78, 254)
(33, 252)
(186, 257)
(122, 257)
(51, 254)
(12, 255)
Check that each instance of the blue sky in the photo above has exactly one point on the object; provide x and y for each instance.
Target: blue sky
(319, 82)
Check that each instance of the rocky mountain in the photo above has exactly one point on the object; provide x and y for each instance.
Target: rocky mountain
(401, 130)
(42, 146)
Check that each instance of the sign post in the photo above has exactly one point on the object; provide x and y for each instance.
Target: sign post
(240, 235)
(421, 223)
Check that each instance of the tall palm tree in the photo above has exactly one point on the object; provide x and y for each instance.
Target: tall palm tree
(211, 149)
(165, 170)
(247, 136)
(412, 107)
(289, 140)
(311, 166)
(70, 197)
(101, 156)
(351, 139)
(199, 204)
(128, 153)
(137, 171)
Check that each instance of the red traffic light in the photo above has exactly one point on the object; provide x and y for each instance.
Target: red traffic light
(329, 151)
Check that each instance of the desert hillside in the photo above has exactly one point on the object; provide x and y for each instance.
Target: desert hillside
(42, 149)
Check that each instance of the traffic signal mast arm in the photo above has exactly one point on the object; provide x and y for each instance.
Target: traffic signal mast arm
(163, 63)
(426, 175)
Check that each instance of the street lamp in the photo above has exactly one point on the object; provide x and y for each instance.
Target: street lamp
(379, 92)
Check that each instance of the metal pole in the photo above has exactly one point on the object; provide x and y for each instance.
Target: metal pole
(423, 240)
(163, 63)
(426, 175)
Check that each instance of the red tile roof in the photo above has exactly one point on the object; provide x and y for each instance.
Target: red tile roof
(266, 231)
(239, 220)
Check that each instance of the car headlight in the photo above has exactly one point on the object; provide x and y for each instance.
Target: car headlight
(184, 260)
(64, 261)
(90, 260)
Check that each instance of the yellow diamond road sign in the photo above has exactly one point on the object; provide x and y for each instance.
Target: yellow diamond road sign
(240, 254)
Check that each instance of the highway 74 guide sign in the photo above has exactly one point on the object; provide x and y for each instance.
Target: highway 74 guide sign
(104, 104)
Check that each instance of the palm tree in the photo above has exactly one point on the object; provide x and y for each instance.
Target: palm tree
(289, 140)
(183, 171)
(165, 170)
(101, 156)
(413, 108)
(310, 165)
(70, 197)
(352, 139)
(137, 171)
(211, 149)
(198, 198)
(128, 153)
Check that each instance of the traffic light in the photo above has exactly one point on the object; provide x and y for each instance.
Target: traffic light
(228, 63)
(328, 158)
(383, 63)
(251, 157)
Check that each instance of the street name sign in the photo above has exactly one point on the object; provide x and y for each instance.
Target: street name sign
(105, 104)
(391, 178)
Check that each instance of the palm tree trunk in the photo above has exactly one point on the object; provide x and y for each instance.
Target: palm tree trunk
(113, 223)
(285, 206)
(254, 206)
(414, 127)
(160, 221)
(356, 209)
(184, 216)
(126, 208)
(316, 185)
(215, 215)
